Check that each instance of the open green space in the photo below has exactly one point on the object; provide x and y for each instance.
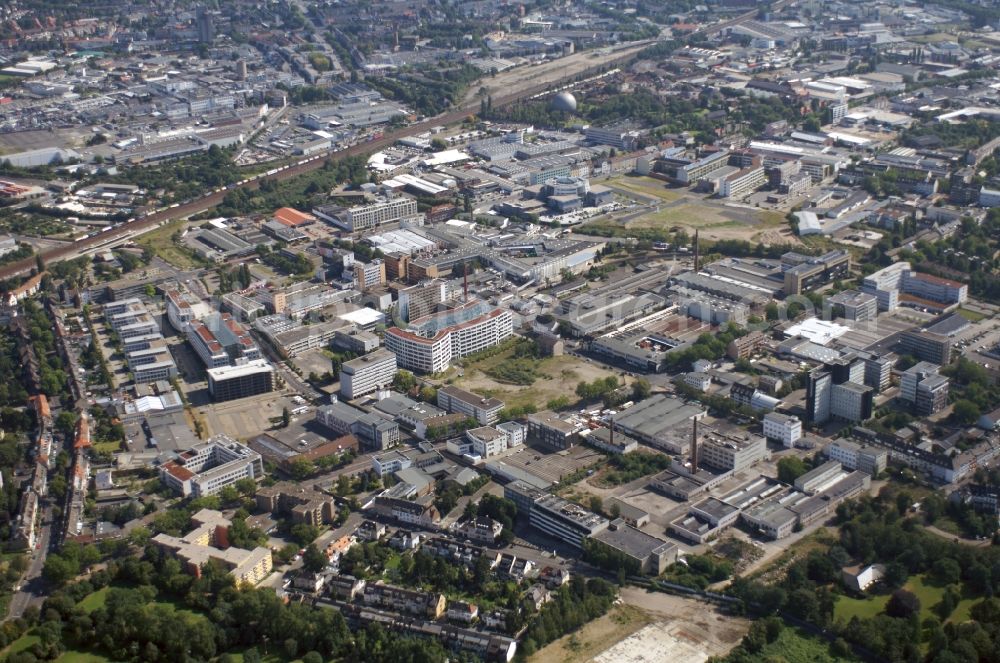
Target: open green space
(81, 657)
(930, 595)
(26, 641)
(646, 186)
(161, 242)
(971, 316)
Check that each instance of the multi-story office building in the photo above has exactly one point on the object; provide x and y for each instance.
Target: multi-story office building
(183, 308)
(745, 346)
(885, 284)
(429, 344)
(934, 288)
(219, 340)
(487, 441)
(374, 431)
(924, 388)
(208, 467)
(226, 383)
(564, 520)
(742, 182)
(547, 427)
(367, 374)
(783, 428)
(484, 410)
(870, 460)
(649, 554)
(926, 345)
(368, 216)
(803, 273)
(853, 305)
(369, 274)
(851, 401)
(420, 300)
(837, 389)
(734, 452)
(623, 136)
(703, 167)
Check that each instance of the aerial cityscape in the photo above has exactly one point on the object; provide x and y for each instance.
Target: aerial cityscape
(477, 331)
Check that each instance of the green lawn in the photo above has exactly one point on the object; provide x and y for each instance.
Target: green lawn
(161, 242)
(848, 607)
(92, 602)
(26, 641)
(82, 657)
(929, 595)
(971, 316)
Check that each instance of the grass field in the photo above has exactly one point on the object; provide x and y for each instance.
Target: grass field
(111, 447)
(646, 186)
(161, 242)
(92, 602)
(929, 595)
(971, 316)
(558, 378)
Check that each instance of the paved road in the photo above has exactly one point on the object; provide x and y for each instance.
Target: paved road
(289, 376)
(33, 587)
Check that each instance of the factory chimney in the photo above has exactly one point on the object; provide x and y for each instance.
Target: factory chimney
(465, 282)
(694, 446)
(697, 249)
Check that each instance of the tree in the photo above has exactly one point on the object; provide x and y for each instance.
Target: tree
(946, 571)
(791, 468)
(314, 560)
(286, 417)
(902, 604)
(641, 389)
(965, 411)
(301, 467)
(596, 504)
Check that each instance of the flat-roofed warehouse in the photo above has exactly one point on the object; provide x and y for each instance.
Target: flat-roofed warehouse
(650, 554)
(658, 419)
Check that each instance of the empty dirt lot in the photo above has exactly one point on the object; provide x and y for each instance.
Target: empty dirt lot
(664, 628)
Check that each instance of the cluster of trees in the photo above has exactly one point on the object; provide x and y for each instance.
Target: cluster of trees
(299, 192)
(140, 620)
(54, 379)
(629, 467)
(708, 346)
(699, 571)
(430, 91)
(972, 390)
(300, 265)
(449, 492)
(599, 388)
(522, 365)
(575, 604)
(12, 392)
(500, 509)
(722, 406)
(881, 530)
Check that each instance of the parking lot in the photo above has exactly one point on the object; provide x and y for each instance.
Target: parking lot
(245, 417)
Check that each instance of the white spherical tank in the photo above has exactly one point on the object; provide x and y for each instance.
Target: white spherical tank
(564, 101)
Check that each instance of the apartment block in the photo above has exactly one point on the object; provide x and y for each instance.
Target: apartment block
(209, 542)
(367, 374)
